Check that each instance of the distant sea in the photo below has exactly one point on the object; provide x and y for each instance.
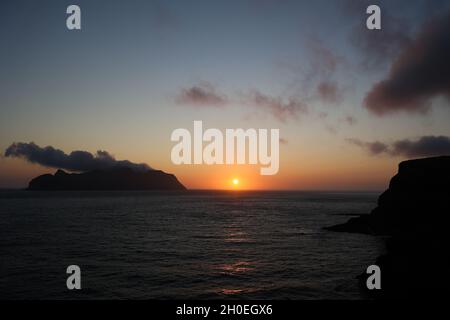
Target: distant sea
(183, 245)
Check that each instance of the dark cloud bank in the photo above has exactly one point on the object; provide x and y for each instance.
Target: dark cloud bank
(420, 73)
(75, 161)
(422, 147)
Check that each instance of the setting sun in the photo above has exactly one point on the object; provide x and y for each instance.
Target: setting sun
(235, 182)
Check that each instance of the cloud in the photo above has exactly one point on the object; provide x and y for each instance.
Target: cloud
(331, 129)
(202, 95)
(324, 61)
(281, 109)
(350, 120)
(421, 72)
(377, 46)
(373, 148)
(322, 115)
(398, 25)
(75, 161)
(423, 147)
(318, 78)
(329, 92)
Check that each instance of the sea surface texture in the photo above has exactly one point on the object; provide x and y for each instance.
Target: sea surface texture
(183, 245)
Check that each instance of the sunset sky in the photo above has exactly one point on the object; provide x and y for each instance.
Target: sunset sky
(350, 103)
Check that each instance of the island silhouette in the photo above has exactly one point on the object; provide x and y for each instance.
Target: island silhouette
(121, 178)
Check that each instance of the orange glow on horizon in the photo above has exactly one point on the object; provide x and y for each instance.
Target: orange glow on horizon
(346, 172)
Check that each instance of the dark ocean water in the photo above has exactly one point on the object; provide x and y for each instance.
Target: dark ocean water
(194, 245)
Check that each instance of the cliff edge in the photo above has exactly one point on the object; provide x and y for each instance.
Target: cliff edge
(414, 211)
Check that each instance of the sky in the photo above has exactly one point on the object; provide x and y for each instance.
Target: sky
(350, 103)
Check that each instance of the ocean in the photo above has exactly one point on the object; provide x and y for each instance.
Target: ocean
(183, 245)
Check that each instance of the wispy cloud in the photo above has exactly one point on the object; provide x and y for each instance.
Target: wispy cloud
(281, 109)
(323, 60)
(373, 148)
(202, 95)
(329, 92)
(350, 120)
(316, 77)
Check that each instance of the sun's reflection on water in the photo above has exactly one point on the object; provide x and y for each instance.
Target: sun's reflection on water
(230, 291)
(238, 261)
(237, 267)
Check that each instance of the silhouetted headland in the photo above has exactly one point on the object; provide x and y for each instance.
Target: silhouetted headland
(414, 211)
(111, 179)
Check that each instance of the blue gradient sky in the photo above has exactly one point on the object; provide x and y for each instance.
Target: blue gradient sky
(114, 84)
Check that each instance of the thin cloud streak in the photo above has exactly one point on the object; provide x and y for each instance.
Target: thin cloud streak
(204, 95)
(281, 109)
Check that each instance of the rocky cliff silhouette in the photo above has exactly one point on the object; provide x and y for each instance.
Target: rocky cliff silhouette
(414, 211)
(111, 179)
